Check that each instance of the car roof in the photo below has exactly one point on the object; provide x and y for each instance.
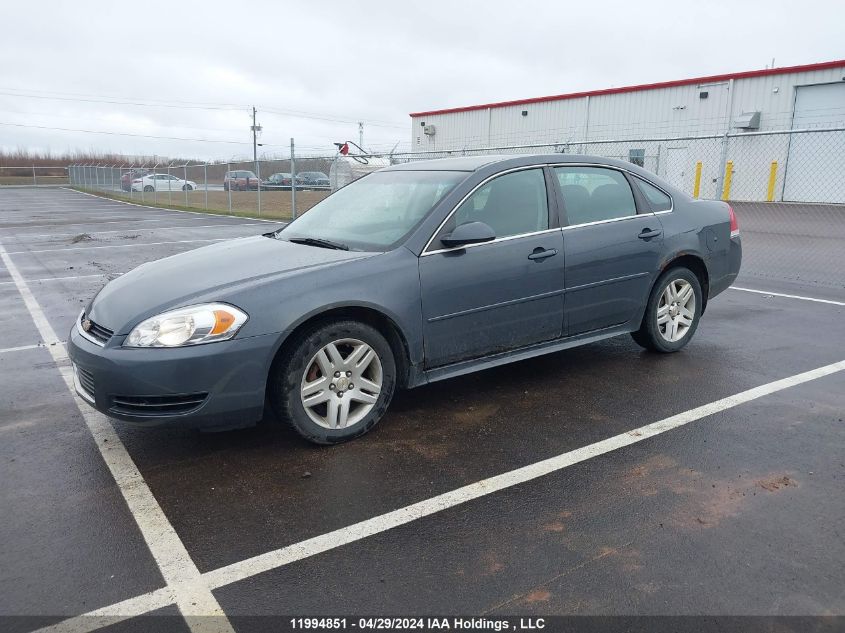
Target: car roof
(497, 162)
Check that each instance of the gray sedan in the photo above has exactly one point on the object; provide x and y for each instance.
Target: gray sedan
(412, 274)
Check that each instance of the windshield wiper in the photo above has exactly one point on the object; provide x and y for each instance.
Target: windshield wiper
(316, 241)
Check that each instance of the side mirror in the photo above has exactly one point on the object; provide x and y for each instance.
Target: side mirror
(469, 233)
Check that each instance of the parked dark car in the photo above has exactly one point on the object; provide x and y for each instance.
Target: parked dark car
(127, 177)
(409, 275)
(313, 179)
(240, 180)
(281, 180)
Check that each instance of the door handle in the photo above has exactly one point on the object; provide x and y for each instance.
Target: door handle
(541, 253)
(647, 234)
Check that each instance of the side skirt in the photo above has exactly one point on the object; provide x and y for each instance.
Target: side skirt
(421, 377)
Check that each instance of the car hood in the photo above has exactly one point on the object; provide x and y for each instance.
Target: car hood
(210, 273)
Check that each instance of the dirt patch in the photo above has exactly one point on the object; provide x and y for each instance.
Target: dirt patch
(491, 564)
(654, 464)
(476, 414)
(777, 483)
(427, 450)
(705, 507)
(554, 526)
(82, 237)
(538, 595)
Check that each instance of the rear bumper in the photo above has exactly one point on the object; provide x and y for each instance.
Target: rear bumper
(734, 264)
(219, 385)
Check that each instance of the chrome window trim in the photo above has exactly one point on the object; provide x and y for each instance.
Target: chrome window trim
(495, 241)
(608, 221)
(85, 334)
(426, 252)
(627, 171)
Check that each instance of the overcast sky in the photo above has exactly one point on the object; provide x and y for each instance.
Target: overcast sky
(339, 62)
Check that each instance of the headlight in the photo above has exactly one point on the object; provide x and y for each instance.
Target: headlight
(188, 326)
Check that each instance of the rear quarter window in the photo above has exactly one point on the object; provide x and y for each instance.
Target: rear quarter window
(658, 200)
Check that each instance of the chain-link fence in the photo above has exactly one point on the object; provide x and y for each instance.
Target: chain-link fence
(34, 176)
(774, 166)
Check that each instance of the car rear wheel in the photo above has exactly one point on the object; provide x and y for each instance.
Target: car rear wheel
(148, 188)
(335, 383)
(672, 313)
(187, 188)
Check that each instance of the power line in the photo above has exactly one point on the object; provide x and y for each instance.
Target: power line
(191, 106)
(170, 138)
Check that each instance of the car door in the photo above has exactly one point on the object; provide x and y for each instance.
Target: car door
(497, 295)
(612, 246)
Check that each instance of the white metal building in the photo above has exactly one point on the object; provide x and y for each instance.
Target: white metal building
(669, 127)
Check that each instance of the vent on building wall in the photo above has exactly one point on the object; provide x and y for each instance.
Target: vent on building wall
(703, 94)
(747, 121)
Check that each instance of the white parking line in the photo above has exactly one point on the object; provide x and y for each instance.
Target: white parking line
(137, 244)
(26, 347)
(184, 581)
(780, 294)
(40, 226)
(158, 228)
(43, 279)
(325, 542)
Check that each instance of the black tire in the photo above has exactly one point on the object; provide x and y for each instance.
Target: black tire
(287, 375)
(148, 188)
(187, 188)
(649, 335)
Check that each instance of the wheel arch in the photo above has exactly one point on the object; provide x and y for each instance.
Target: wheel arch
(697, 265)
(378, 319)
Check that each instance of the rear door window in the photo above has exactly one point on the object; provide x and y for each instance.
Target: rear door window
(594, 194)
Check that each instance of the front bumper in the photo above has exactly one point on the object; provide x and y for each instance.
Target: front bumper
(217, 385)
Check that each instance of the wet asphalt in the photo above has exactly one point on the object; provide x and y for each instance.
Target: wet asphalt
(738, 513)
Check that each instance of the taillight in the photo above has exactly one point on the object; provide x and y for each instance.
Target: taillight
(734, 223)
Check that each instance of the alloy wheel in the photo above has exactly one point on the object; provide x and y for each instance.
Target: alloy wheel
(676, 310)
(341, 383)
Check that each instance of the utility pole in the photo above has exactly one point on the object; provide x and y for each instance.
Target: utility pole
(361, 135)
(255, 129)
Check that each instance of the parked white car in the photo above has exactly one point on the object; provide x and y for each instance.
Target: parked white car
(162, 182)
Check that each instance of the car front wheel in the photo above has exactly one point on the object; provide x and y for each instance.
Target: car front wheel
(335, 382)
(672, 313)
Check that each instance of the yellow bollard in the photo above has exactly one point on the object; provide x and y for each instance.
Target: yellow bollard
(696, 188)
(729, 172)
(773, 175)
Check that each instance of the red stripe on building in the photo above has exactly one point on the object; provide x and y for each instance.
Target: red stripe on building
(665, 84)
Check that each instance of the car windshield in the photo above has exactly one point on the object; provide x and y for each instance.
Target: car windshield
(375, 212)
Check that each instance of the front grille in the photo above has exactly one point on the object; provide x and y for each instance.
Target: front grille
(156, 406)
(86, 380)
(96, 331)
